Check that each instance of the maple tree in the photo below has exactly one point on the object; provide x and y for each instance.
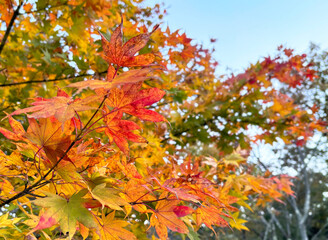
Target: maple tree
(303, 217)
(104, 152)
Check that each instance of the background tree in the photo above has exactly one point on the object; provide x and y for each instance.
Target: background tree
(308, 213)
(303, 217)
(71, 163)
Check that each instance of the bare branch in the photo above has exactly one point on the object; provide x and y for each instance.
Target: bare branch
(273, 216)
(10, 25)
(320, 231)
(49, 80)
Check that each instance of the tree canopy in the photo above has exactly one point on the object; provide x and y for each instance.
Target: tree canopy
(102, 109)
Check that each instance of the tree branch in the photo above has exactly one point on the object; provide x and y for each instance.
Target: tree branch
(307, 197)
(273, 216)
(48, 80)
(47, 8)
(151, 201)
(42, 181)
(267, 227)
(320, 231)
(10, 25)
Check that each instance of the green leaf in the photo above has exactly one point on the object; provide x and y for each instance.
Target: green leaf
(233, 159)
(82, 65)
(67, 211)
(192, 235)
(47, 56)
(178, 95)
(41, 4)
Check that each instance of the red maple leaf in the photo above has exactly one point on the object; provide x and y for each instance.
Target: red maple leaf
(120, 131)
(130, 99)
(123, 55)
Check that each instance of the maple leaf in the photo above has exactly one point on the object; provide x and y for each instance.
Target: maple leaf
(14, 163)
(27, 7)
(67, 211)
(6, 222)
(108, 197)
(237, 222)
(18, 130)
(284, 184)
(131, 76)
(112, 229)
(211, 216)
(124, 55)
(45, 221)
(120, 131)
(136, 192)
(179, 192)
(164, 217)
(233, 159)
(182, 211)
(50, 136)
(8, 229)
(61, 107)
(130, 99)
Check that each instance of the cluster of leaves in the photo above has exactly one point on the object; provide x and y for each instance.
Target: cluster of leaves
(254, 98)
(91, 161)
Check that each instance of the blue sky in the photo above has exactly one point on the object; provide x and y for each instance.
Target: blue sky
(247, 30)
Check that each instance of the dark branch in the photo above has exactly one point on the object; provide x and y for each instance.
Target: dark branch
(151, 201)
(11, 23)
(48, 80)
(46, 8)
(204, 122)
(42, 181)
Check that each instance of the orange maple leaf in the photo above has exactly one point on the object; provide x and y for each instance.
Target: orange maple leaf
(50, 135)
(183, 193)
(210, 215)
(62, 107)
(136, 192)
(132, 76)
(164, 217)
(114, 229)
(18, 130)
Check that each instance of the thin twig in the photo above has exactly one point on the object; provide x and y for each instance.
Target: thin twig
(36, 195)
(150, 201)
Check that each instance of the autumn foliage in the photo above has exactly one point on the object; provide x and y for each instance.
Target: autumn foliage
(104, 155)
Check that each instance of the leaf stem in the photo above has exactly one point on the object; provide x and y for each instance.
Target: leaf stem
(156, 189)
(100, 105)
